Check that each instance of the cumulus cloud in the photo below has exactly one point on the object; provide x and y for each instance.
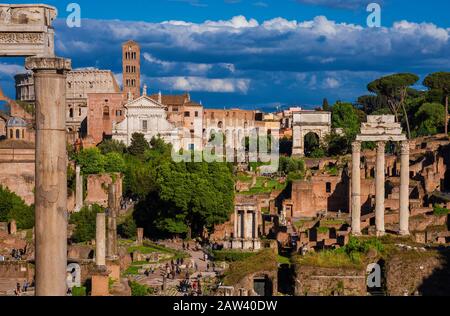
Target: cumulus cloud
(11, 69)
(276, 60)
(205, 84)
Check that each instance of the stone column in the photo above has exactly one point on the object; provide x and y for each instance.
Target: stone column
(356, 188)
(380, 188)
(111, 241)
(51, 174)
(236, 231)
(249, 225)
(100, 240)
(404, 189)
(78, 190)
(140, 236)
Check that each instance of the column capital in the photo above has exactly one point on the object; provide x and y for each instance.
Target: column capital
(356, 147)
(404, 145)
(48, 63)
(381, 146)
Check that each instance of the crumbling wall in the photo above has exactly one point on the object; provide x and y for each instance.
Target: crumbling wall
(414, 272)
(321, 281)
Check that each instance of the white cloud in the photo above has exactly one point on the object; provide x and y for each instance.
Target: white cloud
(205, 84)
(11, 69)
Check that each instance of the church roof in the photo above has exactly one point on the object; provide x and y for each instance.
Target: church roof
(172, 100)
(16, 122)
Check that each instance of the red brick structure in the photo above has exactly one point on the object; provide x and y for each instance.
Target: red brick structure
(103, 110)
(131, 61)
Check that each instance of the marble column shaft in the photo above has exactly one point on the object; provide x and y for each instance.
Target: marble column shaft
(356, 188)
(404, 189)
(380, 188)
(100, 240)
(51, 174)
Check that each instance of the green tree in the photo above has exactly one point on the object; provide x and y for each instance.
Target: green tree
(430, 116)
(112, 145)
(188, 198)
(12, 207)
(128, 228)
(114, 162)
(138, 145)
(91, 161)
(345, 116)
(440, 81)
(84, 222)
(395, 89)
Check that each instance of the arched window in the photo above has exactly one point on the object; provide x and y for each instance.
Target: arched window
(105, 111)
(17, 134)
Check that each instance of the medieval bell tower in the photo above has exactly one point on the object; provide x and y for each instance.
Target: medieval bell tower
(131, 61)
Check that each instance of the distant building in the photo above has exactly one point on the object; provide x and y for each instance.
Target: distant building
(79, 84)
(131, 62)
(149, 117)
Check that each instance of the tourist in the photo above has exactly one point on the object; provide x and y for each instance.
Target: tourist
(25, 286)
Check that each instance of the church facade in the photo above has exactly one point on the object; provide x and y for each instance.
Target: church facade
(149, 117)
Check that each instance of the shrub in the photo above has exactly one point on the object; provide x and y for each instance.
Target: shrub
(139, 289)
(85, 221)
(440, 211)
(128, 228)
(79, 291)
(12, 207)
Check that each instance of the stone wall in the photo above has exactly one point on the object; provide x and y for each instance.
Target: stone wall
(423, 273)
(18, 176)
(16, 270)
(97, 188)
(311, 196)
(318, 281)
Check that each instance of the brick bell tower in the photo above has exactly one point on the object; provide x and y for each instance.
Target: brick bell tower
(131, 61)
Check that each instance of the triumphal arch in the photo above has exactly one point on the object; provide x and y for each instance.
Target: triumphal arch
(380, 129)
(26, 31)
(306, 122)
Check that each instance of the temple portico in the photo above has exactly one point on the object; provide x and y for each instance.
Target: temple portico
(246, 223)
(380, 129)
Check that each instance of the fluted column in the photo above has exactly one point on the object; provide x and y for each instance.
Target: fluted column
(404, 189)
(380, 188)
(356, 188)
(51, 174)
(100, 240)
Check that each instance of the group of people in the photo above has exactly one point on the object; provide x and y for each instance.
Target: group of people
(21, 288)
(17, 254)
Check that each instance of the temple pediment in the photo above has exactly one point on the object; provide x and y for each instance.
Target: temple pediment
(144, 102)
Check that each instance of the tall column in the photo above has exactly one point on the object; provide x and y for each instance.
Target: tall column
(236, 224)
(78, 190)
(100, 240)
(380, 188)
(404, 189)
(111, 241)
(356, 188)
(51, 174)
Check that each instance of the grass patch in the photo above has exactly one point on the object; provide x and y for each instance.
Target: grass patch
(265, 260)
(150, 247)
(440, 211)
(265, 185)
(283, 260)
(323, 230)
(350, 256)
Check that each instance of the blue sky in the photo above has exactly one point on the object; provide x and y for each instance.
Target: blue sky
(256, 53)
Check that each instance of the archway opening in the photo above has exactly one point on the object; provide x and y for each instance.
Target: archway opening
(312, 144)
